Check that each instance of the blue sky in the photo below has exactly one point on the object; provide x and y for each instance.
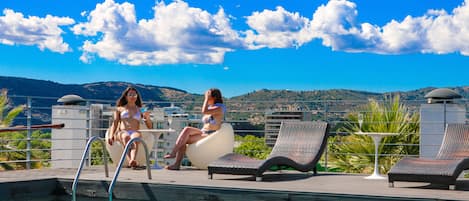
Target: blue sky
(379, 46)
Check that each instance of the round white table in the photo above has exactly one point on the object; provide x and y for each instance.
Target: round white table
(157, 133)
(377, 139)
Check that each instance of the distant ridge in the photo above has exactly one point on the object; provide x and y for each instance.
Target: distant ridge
(112, 90)
(97, 90)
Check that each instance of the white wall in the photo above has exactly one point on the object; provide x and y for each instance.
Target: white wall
(69, 142)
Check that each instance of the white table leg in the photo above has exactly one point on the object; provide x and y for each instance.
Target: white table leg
(376, 175)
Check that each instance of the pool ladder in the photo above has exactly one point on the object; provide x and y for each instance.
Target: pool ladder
(85, 153)
(116, 174)
(119, 166)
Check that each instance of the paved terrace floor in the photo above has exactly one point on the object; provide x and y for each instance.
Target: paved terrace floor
(323, 183)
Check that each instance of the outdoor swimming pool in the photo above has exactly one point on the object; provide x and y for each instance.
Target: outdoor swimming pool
(59, 190)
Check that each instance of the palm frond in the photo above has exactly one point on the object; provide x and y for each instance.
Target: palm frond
(3, 102)
(8, 119)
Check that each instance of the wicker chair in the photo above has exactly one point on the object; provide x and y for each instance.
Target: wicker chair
(451, 160)
(299, 145)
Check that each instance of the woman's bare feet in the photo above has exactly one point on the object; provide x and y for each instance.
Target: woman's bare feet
(172, 167)
(133, 163)
(172, 155)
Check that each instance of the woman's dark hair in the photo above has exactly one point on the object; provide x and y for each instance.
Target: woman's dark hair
(216, 94)
(122, 101)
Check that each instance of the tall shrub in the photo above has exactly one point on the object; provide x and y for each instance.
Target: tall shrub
(252, 146)
(355, 153)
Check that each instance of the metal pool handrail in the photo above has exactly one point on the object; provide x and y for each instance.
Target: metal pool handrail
(85, 153)
(119, 166)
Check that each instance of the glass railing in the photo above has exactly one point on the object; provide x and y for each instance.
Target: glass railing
(48, 148)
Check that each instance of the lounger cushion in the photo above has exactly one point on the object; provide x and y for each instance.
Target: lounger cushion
(451, 160)
(299, 145)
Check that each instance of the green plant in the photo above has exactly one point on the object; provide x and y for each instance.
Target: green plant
(252, 146)
(355, 153)
(7, 112)
(97, 151)
(7, 115)
(40, 145)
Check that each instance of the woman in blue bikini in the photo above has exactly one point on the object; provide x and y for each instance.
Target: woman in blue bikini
(213, 110)
(127, 122)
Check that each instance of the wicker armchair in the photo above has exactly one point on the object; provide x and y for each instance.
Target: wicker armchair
(299, 145)
(451, 160)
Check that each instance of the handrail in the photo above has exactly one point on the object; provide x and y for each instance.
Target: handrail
(85, 153)
(119, 166)
(31, 127)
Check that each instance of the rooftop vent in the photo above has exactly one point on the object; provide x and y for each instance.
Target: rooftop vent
(71, 100)
(442, 95)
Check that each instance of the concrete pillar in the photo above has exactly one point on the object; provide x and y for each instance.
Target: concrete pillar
(68, 143)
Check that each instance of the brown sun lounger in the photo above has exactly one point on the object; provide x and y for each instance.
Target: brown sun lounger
(451, 160)
(299, 145)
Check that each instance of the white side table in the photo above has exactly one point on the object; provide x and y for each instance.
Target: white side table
(377, 139)
(157, 133)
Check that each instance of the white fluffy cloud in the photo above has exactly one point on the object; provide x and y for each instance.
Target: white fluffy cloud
(276, 29)
(176, 34)
(42, 32)
(434, 32)
(336, 25)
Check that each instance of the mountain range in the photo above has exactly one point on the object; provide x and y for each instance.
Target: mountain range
(253, 102)
(113, 90)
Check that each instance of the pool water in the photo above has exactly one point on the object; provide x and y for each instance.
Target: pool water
(63, 198)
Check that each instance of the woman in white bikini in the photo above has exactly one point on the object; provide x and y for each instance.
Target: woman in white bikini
(213, 110)
(127, 122)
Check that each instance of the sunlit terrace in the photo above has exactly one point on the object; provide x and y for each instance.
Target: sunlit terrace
(43, 163)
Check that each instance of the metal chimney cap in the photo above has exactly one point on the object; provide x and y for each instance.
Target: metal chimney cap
(443, 93)
(71, 99)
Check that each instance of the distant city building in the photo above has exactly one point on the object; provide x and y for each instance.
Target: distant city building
(273, 120)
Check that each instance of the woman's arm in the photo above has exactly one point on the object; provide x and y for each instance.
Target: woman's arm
(114, 126)
(146, 116)
(213, 110)
(210, 110)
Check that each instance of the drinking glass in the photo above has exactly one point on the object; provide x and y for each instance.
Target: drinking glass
(360, 121)
(143, 110)
(170, 120)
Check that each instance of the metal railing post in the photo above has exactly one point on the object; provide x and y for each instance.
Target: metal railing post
(326, 152)
(28, 137)
(88, 129)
